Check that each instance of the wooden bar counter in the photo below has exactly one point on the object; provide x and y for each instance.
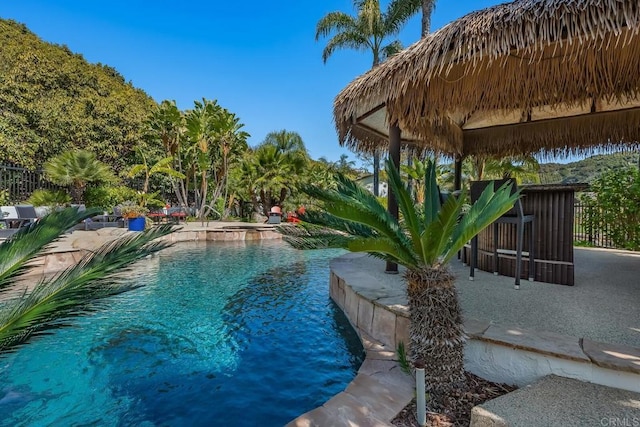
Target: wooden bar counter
(553, 207)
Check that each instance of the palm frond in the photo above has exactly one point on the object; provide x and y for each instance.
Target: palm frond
(326, 220)
(387, 249)
(437, 236)
(490, 206)
(33, 239)
(405, 202)
(353, 203)
(309, 236)
(79, 290)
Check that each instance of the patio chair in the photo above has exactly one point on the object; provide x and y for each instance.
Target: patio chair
(18, 216)
(275, 215)
(158, 216)
(27, 213)
(176, 214)
(9, 216)
(514, 216)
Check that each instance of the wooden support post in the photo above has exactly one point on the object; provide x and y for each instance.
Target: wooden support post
(392, 203)
(457, 180)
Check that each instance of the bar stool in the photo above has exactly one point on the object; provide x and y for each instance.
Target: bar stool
(514, 216)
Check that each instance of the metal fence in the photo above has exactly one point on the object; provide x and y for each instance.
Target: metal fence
(585, 228)
(19, 183)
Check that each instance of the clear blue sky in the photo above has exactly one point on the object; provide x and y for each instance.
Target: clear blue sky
(259, 59)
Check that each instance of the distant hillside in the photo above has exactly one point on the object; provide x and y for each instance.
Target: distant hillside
(52, 100)
(585, 170)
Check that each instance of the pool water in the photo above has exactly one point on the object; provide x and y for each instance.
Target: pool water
(237, 334)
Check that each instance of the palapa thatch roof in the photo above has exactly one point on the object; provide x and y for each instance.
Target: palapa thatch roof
(546, 76)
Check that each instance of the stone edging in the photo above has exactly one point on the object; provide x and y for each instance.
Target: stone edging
(60, 258)
(522, 355)
(380, 390)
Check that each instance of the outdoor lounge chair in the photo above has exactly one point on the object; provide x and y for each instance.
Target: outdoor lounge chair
(514, 216)
(27, 214)
(18, 216)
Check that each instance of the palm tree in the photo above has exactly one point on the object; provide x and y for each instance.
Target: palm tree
(231, 145)
(427, 11)
(368, 30)
(77, 169)
(424, 241)
(162, 166)
(277, 166)
(166, 125)
(79, 290)
(522, 168)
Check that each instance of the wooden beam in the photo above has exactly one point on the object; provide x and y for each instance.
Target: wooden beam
(392, 203)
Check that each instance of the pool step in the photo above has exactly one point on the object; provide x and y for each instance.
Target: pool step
(559, 401)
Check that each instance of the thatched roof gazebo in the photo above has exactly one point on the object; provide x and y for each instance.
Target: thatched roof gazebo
(555, 77)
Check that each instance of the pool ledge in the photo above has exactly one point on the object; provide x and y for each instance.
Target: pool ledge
(376, 306)
(72, 247)
(380, 390)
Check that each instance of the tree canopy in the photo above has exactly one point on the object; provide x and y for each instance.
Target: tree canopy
(53, 100)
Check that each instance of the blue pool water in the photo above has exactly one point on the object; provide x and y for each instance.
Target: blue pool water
(221, 335)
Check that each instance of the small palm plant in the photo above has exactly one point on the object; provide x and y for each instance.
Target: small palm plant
(423, 241)
(77, 169)
(76, 291)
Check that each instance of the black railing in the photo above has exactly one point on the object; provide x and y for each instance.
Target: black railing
(587, 229)
(19, 183)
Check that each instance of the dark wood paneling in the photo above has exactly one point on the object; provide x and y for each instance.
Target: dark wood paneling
(553, 210)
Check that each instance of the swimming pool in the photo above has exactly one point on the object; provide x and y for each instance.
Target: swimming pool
(238, 334)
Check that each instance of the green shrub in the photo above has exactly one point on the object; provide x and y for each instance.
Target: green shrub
(49, 198)
(4, 197)
(107, 197)
(616, 203)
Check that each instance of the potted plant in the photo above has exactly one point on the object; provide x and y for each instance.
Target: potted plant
(134, 213)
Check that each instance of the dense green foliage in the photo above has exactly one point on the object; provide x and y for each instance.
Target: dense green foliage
(203, 145)
(49, 198)
(57, 109)
(54, 100)
(614, 207)
(106, 197)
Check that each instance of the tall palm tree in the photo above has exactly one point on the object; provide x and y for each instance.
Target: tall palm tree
(369, 30)
(166, 125)
(77, 169)
(231, 145)
(424, 241)
(427, 11)
(79, 290)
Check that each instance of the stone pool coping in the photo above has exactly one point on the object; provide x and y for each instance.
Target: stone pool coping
(376, 310)
(72, 247)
